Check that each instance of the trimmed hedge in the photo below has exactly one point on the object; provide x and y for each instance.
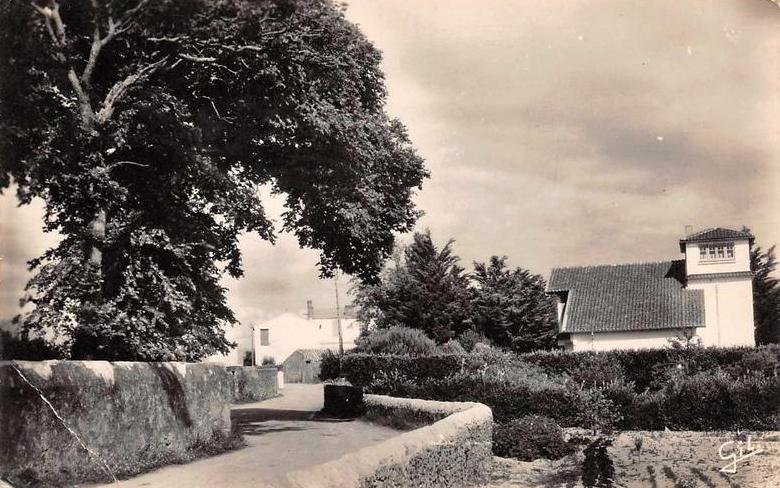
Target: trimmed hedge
(641, 367)
(362, 369)
(693, 389)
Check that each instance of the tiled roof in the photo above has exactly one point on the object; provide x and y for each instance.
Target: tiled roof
(716, 233)
(347, 312)
(627, 297)
(310, 354)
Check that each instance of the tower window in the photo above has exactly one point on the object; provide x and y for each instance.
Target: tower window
(716, 252)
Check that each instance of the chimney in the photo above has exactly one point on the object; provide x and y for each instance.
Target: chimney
(688, 230)
(309, 310)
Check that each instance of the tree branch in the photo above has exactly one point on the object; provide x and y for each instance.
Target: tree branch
(120, 88)
(114, 29)
(131, 163)
(197, 59)
(56, 28)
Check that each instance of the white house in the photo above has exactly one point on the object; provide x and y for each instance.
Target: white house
(280, 336)
(644, 305)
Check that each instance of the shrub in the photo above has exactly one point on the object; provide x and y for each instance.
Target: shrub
(452, 347)
(765, 360)
(397, 340)
(599, 413)
(714, 400)
(29, 349)
(598, 369)
(471, 338)
(528, 438)
(268, 361)
(641, 367)
(330, 366)
(361, 369)
(687, 399)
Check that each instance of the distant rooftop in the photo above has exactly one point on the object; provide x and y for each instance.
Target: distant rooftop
(715, 234)
(627, 297)
(347, 312)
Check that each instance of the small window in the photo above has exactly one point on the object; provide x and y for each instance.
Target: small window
(264, 339)
(716, 252)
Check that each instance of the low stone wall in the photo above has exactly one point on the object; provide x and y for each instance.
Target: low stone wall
(454, 451)
(63, 422)
(254, 383)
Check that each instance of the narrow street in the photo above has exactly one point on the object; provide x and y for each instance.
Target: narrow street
(282, 434)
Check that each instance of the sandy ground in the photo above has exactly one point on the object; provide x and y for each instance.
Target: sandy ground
(666, 459)
(670, 456)
(282, 435)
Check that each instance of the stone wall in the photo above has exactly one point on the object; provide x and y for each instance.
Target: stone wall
(253, 383)
(63, 422)
(454, 451)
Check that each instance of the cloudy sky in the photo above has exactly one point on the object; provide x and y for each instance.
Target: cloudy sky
(557, 132)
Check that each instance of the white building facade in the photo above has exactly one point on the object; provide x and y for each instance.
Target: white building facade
(708, 295)
(280, 336)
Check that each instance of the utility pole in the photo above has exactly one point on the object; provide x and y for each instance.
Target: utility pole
(254, 358)
(338, 313)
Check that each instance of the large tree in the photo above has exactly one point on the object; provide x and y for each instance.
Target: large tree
(511, 308)
(766, 295)
(425, 289)
(147, 127)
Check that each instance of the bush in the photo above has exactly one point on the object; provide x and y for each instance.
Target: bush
(22, 348)
(599, 413)
(641, 367)
(737, 395)
(597, 369)
(397, 340)
(528, 438)
(452, 347)
(330, 366)
(714, 400)
(471, 338)
(361, 369)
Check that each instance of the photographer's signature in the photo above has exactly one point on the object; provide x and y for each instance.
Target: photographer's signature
(742, 451)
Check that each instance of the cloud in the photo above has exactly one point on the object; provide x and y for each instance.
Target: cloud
(581, 132)
(557, 132)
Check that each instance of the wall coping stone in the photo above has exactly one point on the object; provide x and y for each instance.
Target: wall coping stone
(350, 469)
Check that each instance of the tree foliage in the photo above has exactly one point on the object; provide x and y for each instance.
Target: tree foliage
(147, 127)
(511, 308)
(766, 295)
(424, 288)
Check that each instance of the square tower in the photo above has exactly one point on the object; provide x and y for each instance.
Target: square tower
(717, 261)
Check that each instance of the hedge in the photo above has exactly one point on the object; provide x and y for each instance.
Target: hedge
(713, 389)
(642, 366)
(361, 369)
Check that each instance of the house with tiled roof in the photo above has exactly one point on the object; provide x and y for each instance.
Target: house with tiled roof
(707, 294)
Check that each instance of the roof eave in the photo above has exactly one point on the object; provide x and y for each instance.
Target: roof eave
(640, 329)
(750, 239)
